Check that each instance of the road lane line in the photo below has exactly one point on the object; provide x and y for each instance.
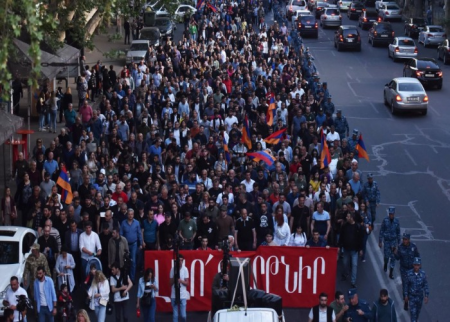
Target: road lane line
(410, 157)
(351, 88)
(377, 260)
(349, 76)
(332, 52)
(433, 109)
(374, 107)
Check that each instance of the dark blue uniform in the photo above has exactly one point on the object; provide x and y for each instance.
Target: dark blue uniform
(416, 288)
(406, 255)
(352, 312)
(390, 235)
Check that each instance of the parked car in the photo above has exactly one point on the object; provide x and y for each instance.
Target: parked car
(137, 51)
(432, 35)
(413, 26)
(406, 94)
(381, 33)
(347, 37)
(367, 18)
(401, 48)
(294, 5)
(15, 247)
(390, 11)
(379, 3)
(182, 10)
(165, 26)
(355, 10)
(426, 70)
(443, 52)
(151, 34)
(331, 17)
(308, 26)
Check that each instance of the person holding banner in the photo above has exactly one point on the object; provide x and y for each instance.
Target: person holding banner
(179, 310)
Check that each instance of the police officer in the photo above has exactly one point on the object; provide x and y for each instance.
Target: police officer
(328, 105)
(415, 290)
(358, 309)
(353, 142)
(390, 234)
(371, 195)
(341, 124)
(406, 253)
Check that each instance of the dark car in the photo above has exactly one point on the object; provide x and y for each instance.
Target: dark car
(347, 37)
(367, 18)
(426, 70)
(413, 26)
(308, 26)
(444, 52)
(381, 33)
(320, 8)
(165, 26)
(368, 3)
(355, 10)
(151, 34)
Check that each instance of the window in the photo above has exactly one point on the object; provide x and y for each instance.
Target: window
(406, 42)
(9, 253)
(28, 241)
(410, 87)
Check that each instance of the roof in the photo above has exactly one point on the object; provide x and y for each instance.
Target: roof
(406, 80)
(19, 232)
(141, 41)
(9, 125)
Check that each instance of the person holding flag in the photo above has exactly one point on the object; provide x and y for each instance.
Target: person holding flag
(325, 157)
(64, 182)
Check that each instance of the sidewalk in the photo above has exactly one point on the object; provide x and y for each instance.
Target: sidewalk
(102, 45)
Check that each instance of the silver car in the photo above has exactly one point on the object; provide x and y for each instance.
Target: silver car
(344, 4)
(406, 94)
(390, 11)
(402, 47)
(432, 35)
(331, 17)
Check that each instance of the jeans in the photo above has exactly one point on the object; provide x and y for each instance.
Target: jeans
(100, 313)
(45, 315)
(353, 255)
(41, 121)
(83, 269)
(181, 307)
(149, 311)
(121, 310)
(133, 250)
(53, 114)
(365, 238)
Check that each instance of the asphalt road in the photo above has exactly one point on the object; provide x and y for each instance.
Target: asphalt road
(408, 156)
(408, 159)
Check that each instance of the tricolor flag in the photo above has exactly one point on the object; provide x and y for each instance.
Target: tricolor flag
(325, 157)
(264, 156)
(212, 7)
(361, 148)
(275, 138)
(246, 135)
(271, 112)
(63, 182)
(200, 3)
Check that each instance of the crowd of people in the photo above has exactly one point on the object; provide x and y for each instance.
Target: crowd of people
(169, 160)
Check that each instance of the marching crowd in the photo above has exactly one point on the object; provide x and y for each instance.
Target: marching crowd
(169, 160)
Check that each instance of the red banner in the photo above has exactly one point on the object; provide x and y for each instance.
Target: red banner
(296, 274)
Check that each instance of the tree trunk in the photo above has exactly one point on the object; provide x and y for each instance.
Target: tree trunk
(66, 19)
(447, 16)
(93, 24)
(418, 8)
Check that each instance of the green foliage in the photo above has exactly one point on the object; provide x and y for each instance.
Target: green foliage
(114, 54)
(114, 37)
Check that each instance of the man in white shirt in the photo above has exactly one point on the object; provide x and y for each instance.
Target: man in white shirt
(248, 182)
(120, 286)
(322, 312)
(183, 281)
(230, 120)
(90, 246)
(10, 299)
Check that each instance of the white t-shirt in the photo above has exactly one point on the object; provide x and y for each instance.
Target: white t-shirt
(117, 295)
(184, 274)
(229, 121)
(43, 300)
(322, 315)
(12, 299)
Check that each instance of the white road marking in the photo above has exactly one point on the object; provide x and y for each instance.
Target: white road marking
(374, 108)
(410, 157)
(332, 52)
(351, 88)
(434, 110)
(349, 76)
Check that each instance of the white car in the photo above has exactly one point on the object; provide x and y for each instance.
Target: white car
(182, 10)
(390, 11)
(344, 4)
(379, 3)
(331, 17)
(407, 94)
(299, 13)
(15, 247)
(295, 5)
(402, 48)
(250, 314)
(432, 35)
(137, 51)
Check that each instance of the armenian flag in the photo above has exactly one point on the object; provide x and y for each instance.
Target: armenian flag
(264, 156)
(212, 7)
(275, 138)
(325, 157)
(200, 3)
(226, 150)
(271, 112)
(63, 182)
(246, 135)
(361, 148)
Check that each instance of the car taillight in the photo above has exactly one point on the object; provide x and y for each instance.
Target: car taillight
(397, 49)
(398, 98)
(393, 33)
(430, 35)
(375, 33)
(415, 50)
(386, 13)
(412, 27)
(419, 73)
(439, 74)
(425, 99)
(353, 9)
(316, 25)
(379, 19)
